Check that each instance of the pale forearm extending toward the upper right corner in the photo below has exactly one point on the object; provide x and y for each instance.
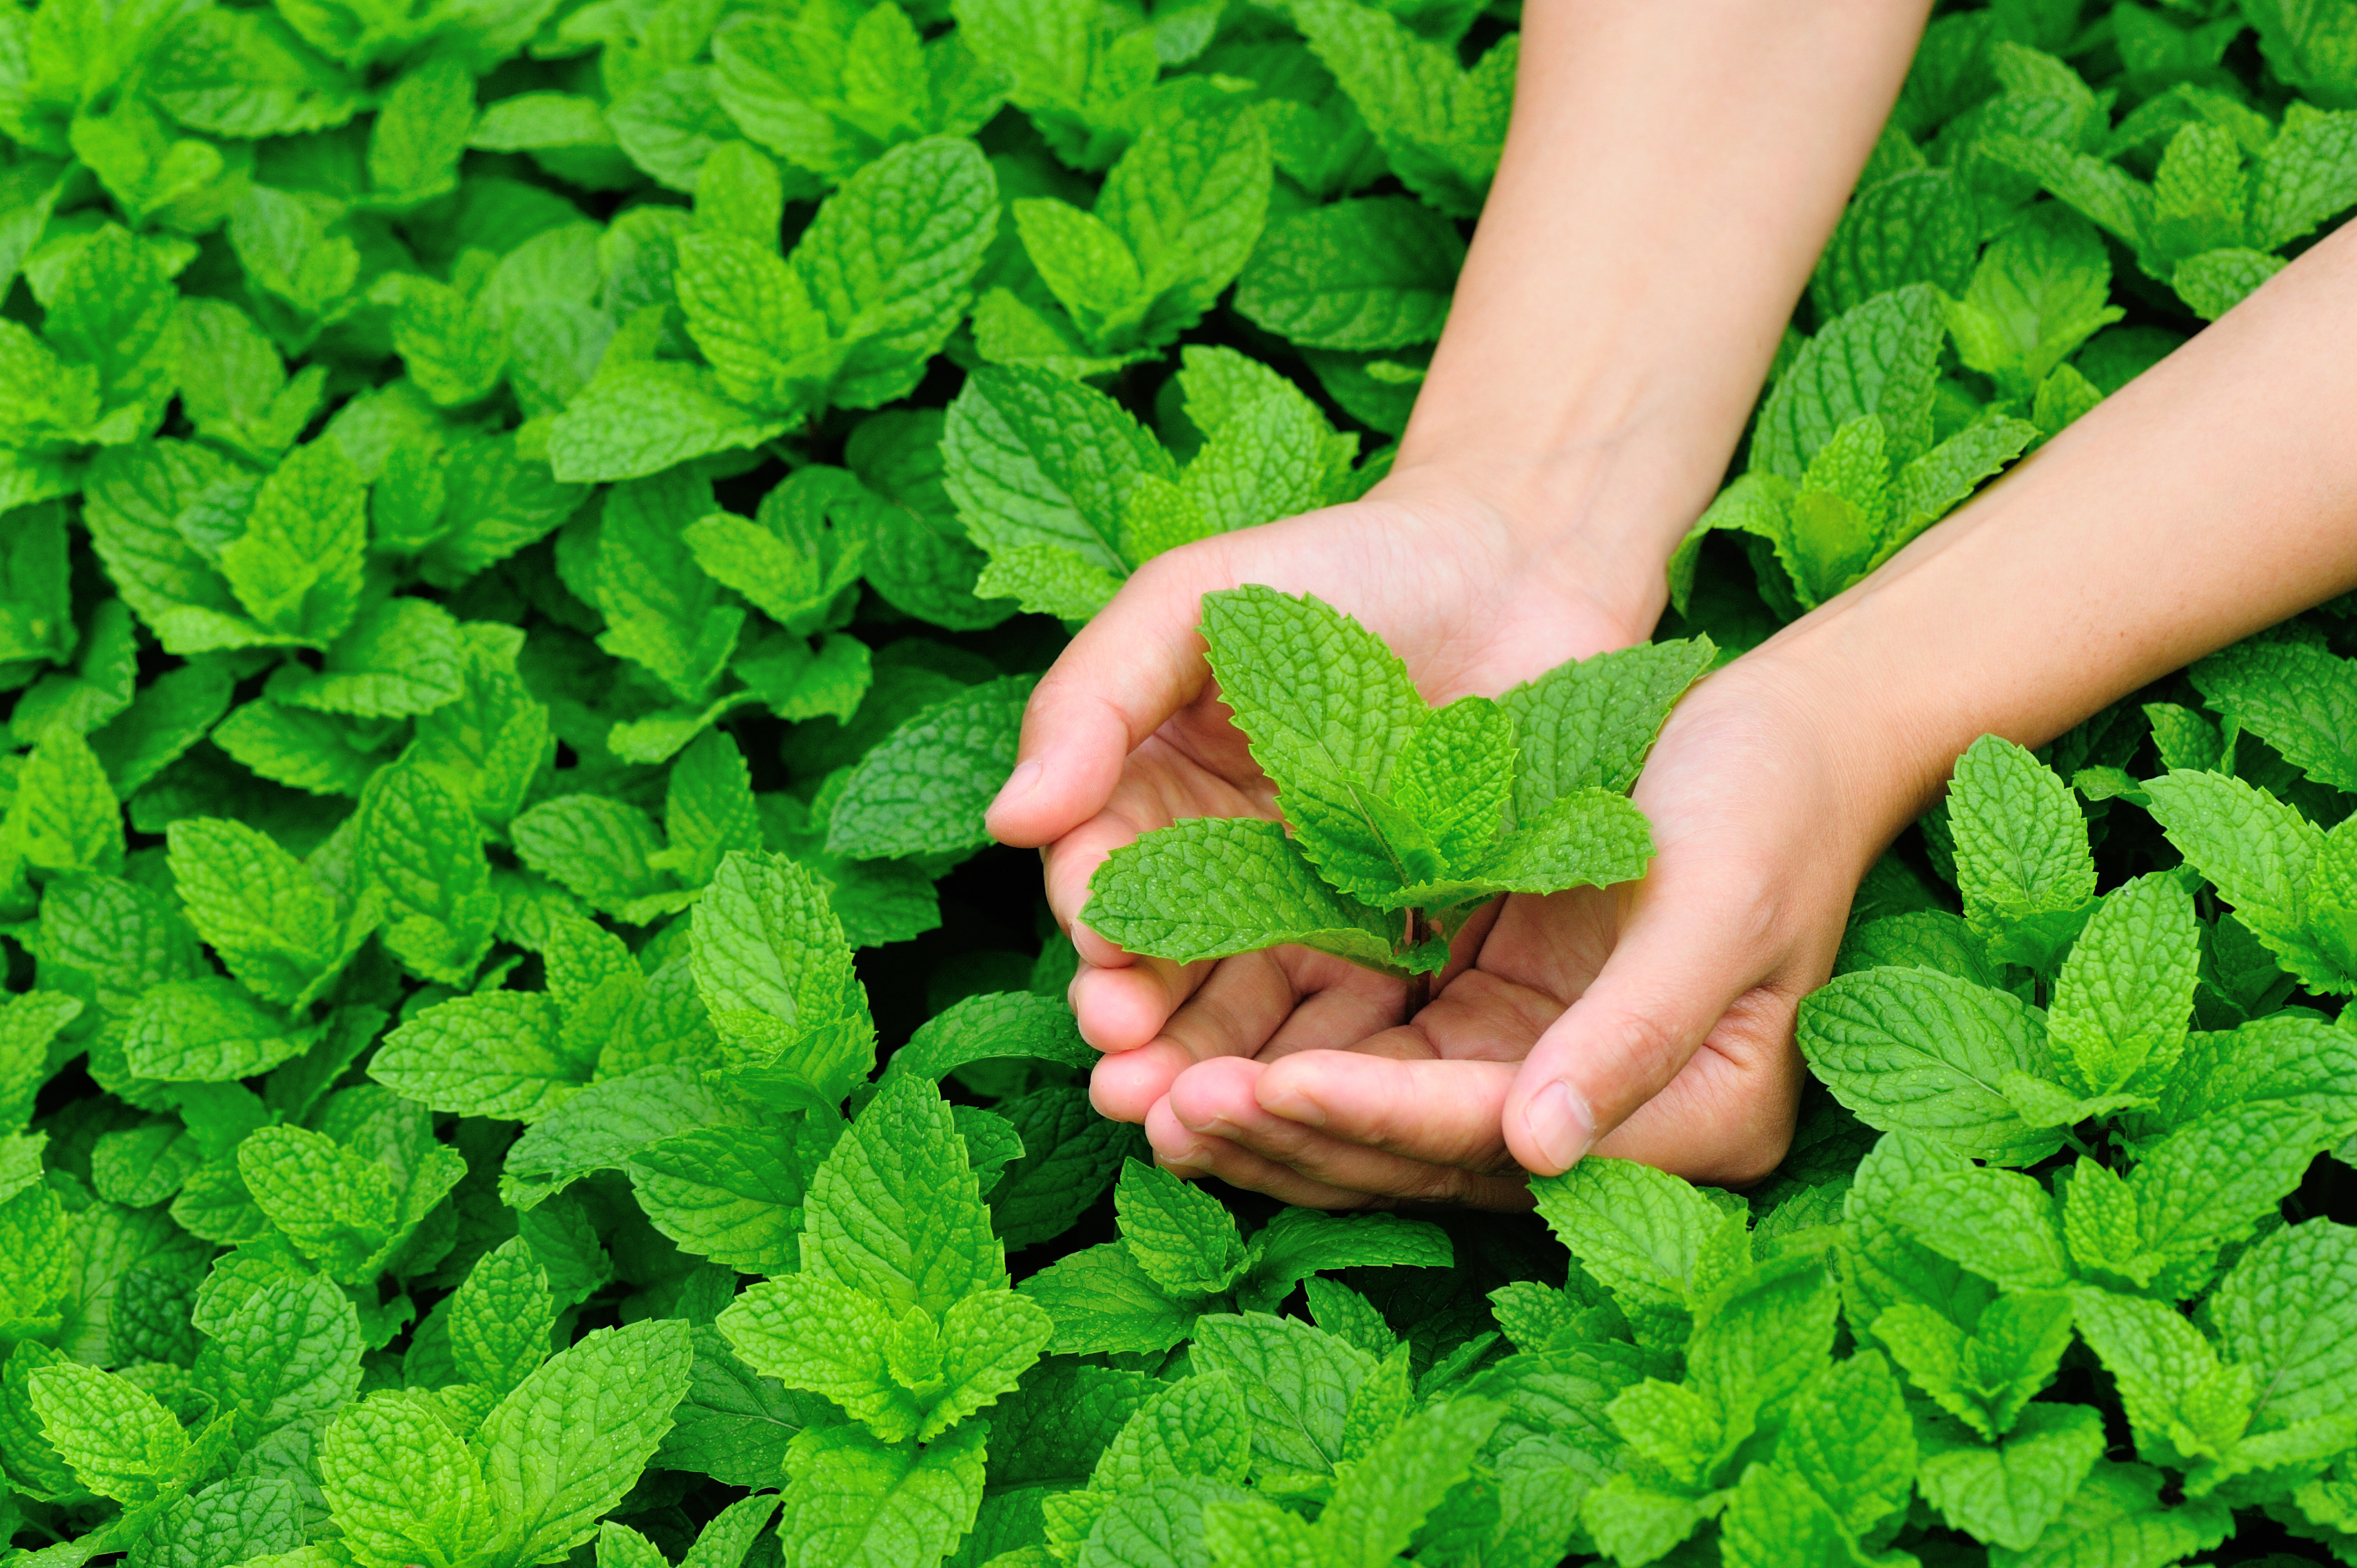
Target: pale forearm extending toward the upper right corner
(2211, 498)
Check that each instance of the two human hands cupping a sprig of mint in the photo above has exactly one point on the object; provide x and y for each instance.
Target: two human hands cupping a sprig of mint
(1578, 414)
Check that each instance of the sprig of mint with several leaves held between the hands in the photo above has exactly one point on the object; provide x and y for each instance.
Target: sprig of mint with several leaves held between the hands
(1401, 820)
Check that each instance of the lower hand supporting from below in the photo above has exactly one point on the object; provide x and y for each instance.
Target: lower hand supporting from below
(1657, 1015)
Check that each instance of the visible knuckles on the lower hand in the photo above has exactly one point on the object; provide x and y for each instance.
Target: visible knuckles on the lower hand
(1644, 1052)
(1726, 1118)
(1064, 694)
(1441, 1185)
(1185, 572)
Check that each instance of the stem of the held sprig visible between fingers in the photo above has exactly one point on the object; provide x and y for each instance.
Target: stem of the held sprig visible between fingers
(1419, 984)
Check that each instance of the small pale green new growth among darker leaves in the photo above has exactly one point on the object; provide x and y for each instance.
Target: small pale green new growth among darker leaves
(1404, 819)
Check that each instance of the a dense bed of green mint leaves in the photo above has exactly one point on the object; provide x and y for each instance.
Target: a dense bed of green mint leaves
(527, 530)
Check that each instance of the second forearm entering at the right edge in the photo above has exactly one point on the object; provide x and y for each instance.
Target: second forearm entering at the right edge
(2212, 497)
